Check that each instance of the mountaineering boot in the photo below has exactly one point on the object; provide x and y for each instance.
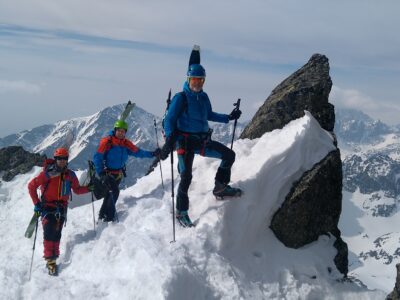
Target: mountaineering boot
(183, 219)
(222, 191)
(52, 266)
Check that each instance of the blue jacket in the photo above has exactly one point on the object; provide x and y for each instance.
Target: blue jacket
(112, 153)
(193, 118)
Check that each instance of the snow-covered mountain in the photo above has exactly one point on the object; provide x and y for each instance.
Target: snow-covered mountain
(88, 131)
(371, 190)
(355, 127)
(230, 254)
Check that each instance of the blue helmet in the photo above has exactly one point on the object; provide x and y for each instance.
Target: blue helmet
(196, 70)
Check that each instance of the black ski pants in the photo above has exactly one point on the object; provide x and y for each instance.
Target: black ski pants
(107, 210)
(188, 146)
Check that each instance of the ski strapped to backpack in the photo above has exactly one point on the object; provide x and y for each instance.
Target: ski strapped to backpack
(128, 108)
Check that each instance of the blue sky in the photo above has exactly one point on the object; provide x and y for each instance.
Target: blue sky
(64, 59)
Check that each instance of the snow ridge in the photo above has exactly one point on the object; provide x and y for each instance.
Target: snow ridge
(230, 254)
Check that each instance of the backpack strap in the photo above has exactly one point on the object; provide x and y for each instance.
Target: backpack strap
(185, 106)
(108, 146)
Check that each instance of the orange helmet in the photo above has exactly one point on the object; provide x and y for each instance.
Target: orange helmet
(61, 152)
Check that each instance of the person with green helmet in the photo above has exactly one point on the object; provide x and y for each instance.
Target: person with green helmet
(110, 159)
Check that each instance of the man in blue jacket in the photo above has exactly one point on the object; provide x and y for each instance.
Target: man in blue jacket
(109, 161)
(186, 127)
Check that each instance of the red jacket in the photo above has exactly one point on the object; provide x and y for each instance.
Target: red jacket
(55, 186)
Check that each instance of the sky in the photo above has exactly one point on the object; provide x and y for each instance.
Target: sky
(64, 59)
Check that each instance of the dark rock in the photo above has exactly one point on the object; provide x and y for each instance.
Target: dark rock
(372, 172)
(395, 294)
(313, 208)
(306, 89)
(314, 203)
(15, 160)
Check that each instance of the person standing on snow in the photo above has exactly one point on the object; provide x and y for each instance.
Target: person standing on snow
(186, 127)
(109, 161)
(55, 182)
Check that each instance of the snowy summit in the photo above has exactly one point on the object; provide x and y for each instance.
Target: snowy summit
(230, 254)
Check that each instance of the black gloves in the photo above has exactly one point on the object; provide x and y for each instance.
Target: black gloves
(156, 153)
(104, 178)
(235, 114)
(166, 149)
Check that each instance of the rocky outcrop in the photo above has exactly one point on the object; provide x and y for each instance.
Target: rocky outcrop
(395, 294)
(314, 204)
(312, 208)
(306, 89)
(15, 160)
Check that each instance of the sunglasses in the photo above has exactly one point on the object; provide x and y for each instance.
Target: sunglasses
(197, 79)
(61, 158)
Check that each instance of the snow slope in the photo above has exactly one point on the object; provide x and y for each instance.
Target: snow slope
(373, 240)
(231, 254)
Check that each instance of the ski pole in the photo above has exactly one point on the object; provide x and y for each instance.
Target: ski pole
(33, 248)
(172, 195)
(94, 220)
(91, 175)
(159, 155)
(237, 105)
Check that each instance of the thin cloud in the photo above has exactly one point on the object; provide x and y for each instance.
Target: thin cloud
(354, 99)
(19, 86)
(351, 98)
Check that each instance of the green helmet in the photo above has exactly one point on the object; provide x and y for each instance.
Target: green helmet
(121, 124)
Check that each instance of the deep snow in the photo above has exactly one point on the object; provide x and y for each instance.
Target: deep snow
(231, 254)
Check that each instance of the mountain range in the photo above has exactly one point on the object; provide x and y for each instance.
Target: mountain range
(87, 132)
(371, 190)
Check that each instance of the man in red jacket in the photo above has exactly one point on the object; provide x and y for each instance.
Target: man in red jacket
(55, 182)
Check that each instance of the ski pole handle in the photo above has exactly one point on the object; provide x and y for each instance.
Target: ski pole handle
(237, 106)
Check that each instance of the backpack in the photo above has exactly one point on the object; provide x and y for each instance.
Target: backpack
(184, 107)
(108, 148)
(48, 165)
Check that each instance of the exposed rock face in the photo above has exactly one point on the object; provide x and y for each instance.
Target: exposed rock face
(314, 204)
(306, 89)
(395, 294)
(312, 208)
(372, 172)
(15, 160)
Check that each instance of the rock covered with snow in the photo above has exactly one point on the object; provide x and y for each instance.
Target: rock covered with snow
(15, 160)
(372, 172)
(313, 206)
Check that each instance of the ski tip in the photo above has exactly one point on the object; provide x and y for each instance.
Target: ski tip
(196, 48)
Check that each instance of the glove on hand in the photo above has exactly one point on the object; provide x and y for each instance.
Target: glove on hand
(156, 153)
(235, 114)
(103, 177)
(166, 149)
(90, 187)
(38, 208)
